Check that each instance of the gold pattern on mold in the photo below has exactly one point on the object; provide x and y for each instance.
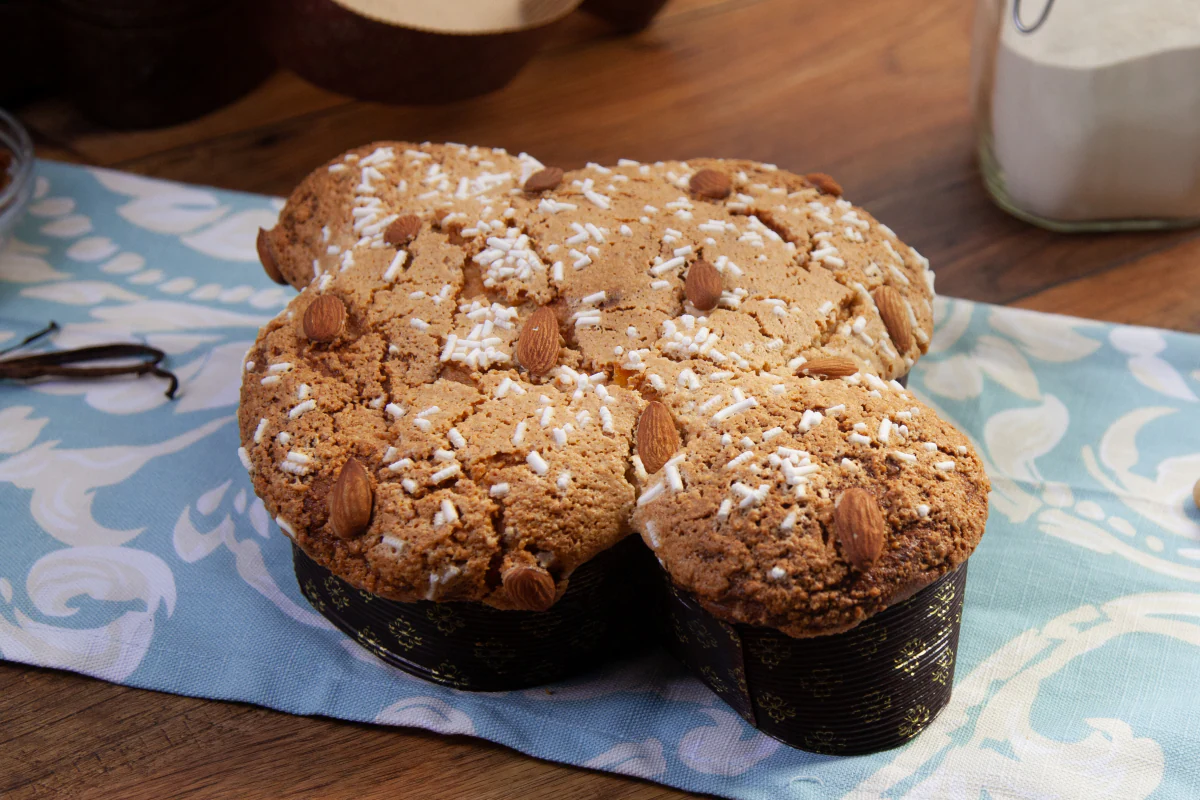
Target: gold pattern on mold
(704, 637)
(910, 655)
(943, 601)
(450, 674)
(821, 682)
(770, 652)
(915, 720)
(826, 742)
(337, 595)
(738, 676)
(873, 706)
(367, 597)
(405, 634)
(713, 680)
(367, 638)
(677, 627)
(314, 595)
(444, 618)
(776, 707)
(943, 667)
(871, 638)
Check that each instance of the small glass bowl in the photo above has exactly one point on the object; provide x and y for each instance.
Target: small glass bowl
(15, 196)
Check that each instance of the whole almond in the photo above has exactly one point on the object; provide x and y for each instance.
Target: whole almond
(861, 528)
(828, 367)
(895, 317)
(657, 439)
(824, 183)
(403, 230)
(703, 285)
(710, 183)
(266, 255)
(537, 346)
(324, 318)
(351, 500)
(530, 588)
(544, 180)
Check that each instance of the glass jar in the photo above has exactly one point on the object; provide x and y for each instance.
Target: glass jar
(1087, 114)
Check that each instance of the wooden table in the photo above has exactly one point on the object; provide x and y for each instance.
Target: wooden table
(872, 91)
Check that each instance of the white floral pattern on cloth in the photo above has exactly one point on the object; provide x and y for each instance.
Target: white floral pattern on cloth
(135, 551)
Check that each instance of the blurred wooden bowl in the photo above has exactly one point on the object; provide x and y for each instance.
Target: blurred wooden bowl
(410, 51)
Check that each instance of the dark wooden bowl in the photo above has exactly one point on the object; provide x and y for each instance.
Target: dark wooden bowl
(348, 53)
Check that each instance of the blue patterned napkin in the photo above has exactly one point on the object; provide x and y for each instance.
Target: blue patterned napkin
(134, 550)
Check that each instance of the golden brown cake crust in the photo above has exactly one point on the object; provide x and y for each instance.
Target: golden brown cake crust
(476, 465)
(753, 534)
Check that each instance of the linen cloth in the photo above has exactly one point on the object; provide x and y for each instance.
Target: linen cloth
(133, 549)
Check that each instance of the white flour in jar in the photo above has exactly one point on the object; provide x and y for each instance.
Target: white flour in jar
(1096, 115)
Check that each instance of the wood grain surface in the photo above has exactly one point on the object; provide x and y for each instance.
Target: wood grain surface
(871, 91)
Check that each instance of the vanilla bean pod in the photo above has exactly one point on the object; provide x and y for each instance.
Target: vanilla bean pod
(31, 338)
(62, 363)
